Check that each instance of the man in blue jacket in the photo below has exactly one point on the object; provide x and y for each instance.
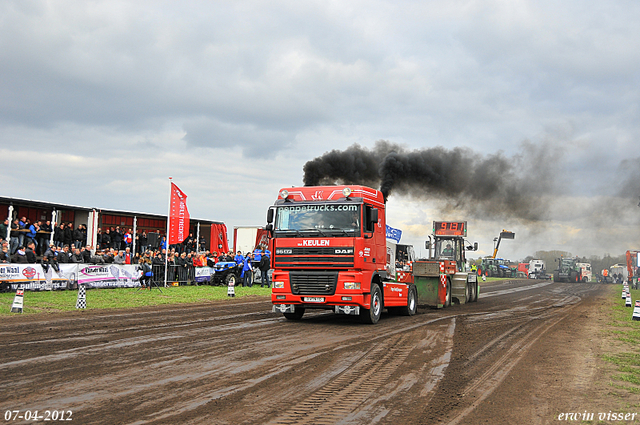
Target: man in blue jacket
(247, 270)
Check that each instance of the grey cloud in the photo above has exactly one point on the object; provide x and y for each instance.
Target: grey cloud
(253, 140)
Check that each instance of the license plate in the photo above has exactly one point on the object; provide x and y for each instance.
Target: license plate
(313, 299)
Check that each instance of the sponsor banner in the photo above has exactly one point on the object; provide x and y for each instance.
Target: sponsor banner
(109, 275)
(203, 274)
(179, 216)
(394, 234)
(32, 277)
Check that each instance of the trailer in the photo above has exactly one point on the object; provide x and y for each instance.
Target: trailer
(248, 238)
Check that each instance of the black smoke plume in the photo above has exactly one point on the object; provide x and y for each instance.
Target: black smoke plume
(487, 186)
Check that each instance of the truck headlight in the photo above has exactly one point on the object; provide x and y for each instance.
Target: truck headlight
(352, 285)
(278, 285)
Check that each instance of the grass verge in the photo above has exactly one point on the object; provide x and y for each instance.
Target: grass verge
(624, 353)
(58, 301)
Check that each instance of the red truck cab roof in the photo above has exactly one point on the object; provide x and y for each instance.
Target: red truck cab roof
(331, 193)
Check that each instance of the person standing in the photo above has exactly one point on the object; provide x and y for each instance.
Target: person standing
(22, 224)
(58, 235)
(67, 238)
(78, 236)
(14, 240)
(116, 238)
(106, 239)
(31, 234)
(128, 258)
(127, 239)
(44, 236)
(30, 253)
(182, 265)
(142, 242)
(247, 271)
(265, 265)
(3, 228)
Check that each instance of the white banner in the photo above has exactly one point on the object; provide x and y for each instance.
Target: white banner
(109, 275)
(33, 277)
(203, 274)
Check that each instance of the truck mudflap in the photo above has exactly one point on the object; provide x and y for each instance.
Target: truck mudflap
(284, 308)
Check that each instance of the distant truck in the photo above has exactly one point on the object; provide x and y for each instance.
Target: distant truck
(586, 275)
(537, 270)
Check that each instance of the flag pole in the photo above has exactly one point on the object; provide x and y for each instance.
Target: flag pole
(166, 254)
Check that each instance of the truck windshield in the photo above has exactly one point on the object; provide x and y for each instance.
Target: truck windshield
(338, 219)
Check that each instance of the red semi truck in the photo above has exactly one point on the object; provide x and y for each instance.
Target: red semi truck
(329, 251)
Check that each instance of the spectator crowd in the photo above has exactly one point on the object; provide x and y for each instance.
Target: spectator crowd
(30, 243)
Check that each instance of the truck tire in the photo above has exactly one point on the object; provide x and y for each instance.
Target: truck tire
(412, 303)
(296, 315)
(474, 290)
(372, 315)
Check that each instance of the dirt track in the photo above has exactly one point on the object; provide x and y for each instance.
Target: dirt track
(519, 355)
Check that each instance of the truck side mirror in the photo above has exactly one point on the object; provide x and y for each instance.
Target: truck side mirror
(270, 215)
(427, 244)
(374, 216)
(475, 246)
(370, 218)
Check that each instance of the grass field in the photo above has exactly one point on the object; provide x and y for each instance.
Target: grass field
(626, 333)
(56, 301)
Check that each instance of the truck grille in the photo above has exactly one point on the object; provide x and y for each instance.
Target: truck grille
(315, 258)
(313, 283)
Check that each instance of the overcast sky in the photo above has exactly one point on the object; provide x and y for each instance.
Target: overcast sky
(102, 101)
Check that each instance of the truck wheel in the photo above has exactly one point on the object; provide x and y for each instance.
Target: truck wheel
(474, 292)
(296, 315)
(372, 315)
(412, 303)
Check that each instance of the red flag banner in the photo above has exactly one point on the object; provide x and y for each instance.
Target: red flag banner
(219, 242)
(179, 216)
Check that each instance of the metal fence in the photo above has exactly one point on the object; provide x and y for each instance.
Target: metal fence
(180, 274)
(186, 275)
